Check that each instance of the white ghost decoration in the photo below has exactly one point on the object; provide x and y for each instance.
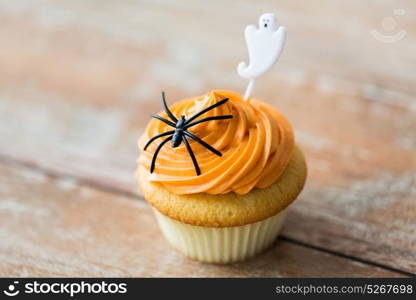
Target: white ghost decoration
(265, 45)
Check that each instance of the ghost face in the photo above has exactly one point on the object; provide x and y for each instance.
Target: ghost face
(268, 22)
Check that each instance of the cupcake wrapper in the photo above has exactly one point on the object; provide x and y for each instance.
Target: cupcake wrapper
(224, 244)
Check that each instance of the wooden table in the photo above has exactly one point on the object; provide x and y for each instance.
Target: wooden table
(78, 80)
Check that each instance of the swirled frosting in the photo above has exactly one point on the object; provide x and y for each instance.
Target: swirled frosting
(256, 145)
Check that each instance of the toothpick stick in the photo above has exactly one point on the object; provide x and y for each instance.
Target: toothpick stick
(249, 89)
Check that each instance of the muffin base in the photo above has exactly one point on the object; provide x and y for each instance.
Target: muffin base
(230, 209)
(223, 244)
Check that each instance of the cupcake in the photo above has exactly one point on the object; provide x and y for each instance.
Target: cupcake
(219, 173)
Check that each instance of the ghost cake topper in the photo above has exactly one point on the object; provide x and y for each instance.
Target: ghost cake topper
(265, 44)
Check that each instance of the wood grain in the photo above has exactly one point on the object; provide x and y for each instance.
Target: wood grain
(57, 227)
(78, 80)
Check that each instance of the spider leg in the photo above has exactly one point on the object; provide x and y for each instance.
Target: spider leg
(197, 139)
(164, 120)
(152, 166)
(206, 110)
(208, 119)
(191, 153)
(158, 136)
(166, 108)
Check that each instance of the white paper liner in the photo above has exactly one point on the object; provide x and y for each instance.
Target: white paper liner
(221, 245)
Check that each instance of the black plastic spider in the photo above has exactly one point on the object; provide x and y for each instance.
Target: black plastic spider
(180, 134)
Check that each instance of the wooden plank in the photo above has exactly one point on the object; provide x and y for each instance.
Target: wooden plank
(328, 38)
(360, 192)
(77, 97)
(57, 227)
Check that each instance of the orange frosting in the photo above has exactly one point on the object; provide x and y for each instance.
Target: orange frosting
(256, 145)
